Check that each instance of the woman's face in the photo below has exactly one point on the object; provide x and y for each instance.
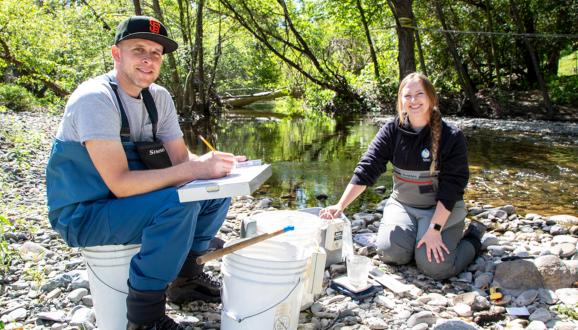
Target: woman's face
(416, 103)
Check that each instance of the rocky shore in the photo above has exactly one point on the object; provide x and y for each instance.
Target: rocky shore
(531, 258)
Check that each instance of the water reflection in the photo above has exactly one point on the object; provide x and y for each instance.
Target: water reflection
(313, 160)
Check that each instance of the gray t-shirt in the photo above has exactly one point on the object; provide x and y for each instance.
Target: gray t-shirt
(92, 113)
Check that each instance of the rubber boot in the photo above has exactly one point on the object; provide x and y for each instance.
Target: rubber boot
(194, 284)
(145, 310)
(474, 234)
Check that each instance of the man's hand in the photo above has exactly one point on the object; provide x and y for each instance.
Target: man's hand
(215, 164)
(331, 212)
(434, 245)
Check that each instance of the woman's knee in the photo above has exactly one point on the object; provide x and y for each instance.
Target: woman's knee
(394, 255)
(433, 269)
(395, 243)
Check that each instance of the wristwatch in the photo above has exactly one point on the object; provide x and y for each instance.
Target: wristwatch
(435, 226)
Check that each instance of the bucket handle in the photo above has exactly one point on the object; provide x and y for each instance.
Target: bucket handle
(232, 315)
(101, 281)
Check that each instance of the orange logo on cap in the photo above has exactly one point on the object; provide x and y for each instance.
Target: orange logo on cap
(154, 26)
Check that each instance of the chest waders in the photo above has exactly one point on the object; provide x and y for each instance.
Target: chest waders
(86, 213)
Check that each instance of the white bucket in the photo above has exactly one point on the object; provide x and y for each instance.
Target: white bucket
(307, 233)
(306, 238)
(107, 267)
(262, 287)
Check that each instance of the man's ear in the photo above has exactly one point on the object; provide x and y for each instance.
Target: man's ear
(115, 52)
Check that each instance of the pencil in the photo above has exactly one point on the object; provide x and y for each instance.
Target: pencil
(207, 143)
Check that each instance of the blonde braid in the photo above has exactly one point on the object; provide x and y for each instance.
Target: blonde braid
(436, 132)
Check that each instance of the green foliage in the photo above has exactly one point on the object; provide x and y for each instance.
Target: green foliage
(16, 97)
(570, 311)
(564, 89)
(568, 64)
(6, 254)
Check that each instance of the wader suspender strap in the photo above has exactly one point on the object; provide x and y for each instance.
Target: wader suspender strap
(149, 105)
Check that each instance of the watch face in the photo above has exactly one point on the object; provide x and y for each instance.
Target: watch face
(437, 227)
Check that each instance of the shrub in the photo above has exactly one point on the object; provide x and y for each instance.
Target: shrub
(16, 97)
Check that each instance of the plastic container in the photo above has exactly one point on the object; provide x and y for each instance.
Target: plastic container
(262, 286)
(108, 267)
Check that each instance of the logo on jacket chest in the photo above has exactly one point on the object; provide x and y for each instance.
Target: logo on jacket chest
(425, 155)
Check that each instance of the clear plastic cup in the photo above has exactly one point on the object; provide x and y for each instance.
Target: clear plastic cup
(358, 270)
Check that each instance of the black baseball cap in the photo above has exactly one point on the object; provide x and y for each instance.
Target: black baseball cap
(144, 27)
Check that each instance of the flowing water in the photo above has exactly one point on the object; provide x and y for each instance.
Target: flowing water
(313, 160)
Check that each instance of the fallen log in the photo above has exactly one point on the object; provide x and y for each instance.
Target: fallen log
(243, 100)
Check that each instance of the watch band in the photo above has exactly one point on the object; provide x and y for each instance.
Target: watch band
(435, 226)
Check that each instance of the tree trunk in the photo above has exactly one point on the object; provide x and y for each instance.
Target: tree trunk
(534, 59)
(493, 57)
(137, 7)
(199, 51)
(422, 65)
(402, 11)
(465, 80)
(369, 40)
(176, 86)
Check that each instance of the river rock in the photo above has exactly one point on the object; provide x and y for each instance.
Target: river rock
(564, 219)
(57, 316)
(541, 314)
(564, 239)
(376, 323)
(421, 317)
(31, 251)
(463, 310)
(568, 296)
(467, 298)
(536, 325)
(453, 325)
(554, 272)
(517, 276)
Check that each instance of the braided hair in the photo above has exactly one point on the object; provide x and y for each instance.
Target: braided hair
(435, 119)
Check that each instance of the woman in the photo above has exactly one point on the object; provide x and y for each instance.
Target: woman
(425, 215)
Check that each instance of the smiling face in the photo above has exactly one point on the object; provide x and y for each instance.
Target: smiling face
(137, 63)
(416, 100)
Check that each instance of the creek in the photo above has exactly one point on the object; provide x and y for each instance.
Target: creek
(531, 165)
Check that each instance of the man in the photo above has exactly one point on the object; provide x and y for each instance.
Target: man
(116, 160)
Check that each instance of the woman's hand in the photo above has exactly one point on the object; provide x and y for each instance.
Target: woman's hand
(434, 245)
(331, 212)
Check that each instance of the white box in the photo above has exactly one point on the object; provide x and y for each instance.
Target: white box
(241, 181)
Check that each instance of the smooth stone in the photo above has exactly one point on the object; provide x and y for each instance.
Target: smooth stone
(567, 250)
(536, 325)
(483, 280)
(421, 326)
(541, 314)
(82, 316)
(517, 276)
(564, 219)
(554, 272)
(76, 295)
(421, 317)
(31, 251)
(463, 310)
(453, 325)
(57, 316)
(547, 296)
(467, 298)
(565, 239)
(568, 296)
(376, 323)
(526, 298)
(18, 314)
